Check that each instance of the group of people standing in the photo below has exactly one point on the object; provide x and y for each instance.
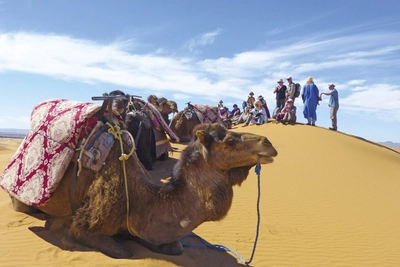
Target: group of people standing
(310, 95)
(255, 110)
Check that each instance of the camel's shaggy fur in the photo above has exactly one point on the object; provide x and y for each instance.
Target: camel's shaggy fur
(199, 190)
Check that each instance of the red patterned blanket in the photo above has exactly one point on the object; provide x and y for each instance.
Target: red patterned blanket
(43, 156)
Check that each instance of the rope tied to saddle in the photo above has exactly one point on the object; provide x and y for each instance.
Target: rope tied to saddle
(117, 133)
(219, 247)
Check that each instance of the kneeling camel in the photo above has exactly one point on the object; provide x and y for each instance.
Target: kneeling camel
(157, 215)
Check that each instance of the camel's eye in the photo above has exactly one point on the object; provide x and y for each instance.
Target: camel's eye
(230, 142)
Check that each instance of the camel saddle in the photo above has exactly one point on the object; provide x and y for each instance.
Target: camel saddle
(36, 169)
(207, 113)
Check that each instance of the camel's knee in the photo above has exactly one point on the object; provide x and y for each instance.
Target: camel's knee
(103, 243)
(22, 207)
(174, 248)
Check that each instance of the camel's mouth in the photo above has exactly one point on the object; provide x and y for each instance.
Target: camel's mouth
(265, 159)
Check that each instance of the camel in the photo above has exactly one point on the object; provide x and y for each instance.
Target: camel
(164, 106)
(183, 123)
(139, 125)
(119, 105)
(156, 215)
(160, 146)
(167, 107)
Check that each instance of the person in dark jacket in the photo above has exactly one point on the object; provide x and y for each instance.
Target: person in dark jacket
(280, 94)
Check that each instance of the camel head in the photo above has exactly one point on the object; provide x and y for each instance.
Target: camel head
(167, 106)
(173, 106)
(119, 105)
(226, 150)
(152, 99)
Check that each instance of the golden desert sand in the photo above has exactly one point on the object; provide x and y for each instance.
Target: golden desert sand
(329, 199)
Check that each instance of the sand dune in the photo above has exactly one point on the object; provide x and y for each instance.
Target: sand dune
(329, 199)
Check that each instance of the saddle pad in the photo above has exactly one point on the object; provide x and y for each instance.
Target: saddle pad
(207, 113)
(43, 156)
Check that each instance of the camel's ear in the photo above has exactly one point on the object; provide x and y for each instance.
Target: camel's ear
(203, 137)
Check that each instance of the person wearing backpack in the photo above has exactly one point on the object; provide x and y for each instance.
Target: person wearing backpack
(293, 89)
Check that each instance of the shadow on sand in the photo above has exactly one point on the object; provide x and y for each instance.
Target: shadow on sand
(194, 255)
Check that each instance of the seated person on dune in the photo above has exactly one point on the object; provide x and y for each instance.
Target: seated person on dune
(224, 112)
(257, 115)
(234, 112)
(288, 113)
(264, 105)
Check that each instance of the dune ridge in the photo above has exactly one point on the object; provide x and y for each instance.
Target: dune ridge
(329, 199)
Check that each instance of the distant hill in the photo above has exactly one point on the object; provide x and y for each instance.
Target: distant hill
(13, 133)
(391, 144)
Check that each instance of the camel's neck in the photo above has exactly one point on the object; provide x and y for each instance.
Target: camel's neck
(196, 193)
(210, 187)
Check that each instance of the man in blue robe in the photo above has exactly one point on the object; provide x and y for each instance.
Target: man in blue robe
(310, 98)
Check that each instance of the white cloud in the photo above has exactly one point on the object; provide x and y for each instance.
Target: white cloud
(356, 82)
(346, 61)
(375, 100)
(202, 40)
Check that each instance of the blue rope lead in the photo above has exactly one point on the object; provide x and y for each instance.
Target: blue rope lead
(225, 248)
(258, 171)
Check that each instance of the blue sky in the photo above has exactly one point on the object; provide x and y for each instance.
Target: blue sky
(204, 51)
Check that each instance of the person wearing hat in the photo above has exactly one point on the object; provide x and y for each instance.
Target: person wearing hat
(264, 104)
(223, 112)
(333, 104)
(288, 113)
(256, 115)
(280, 91)
(291, 89)
(220, 104)
(250, 100)
(310, 99)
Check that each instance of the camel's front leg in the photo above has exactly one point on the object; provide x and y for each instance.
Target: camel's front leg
(103, 243)
(174, 248)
